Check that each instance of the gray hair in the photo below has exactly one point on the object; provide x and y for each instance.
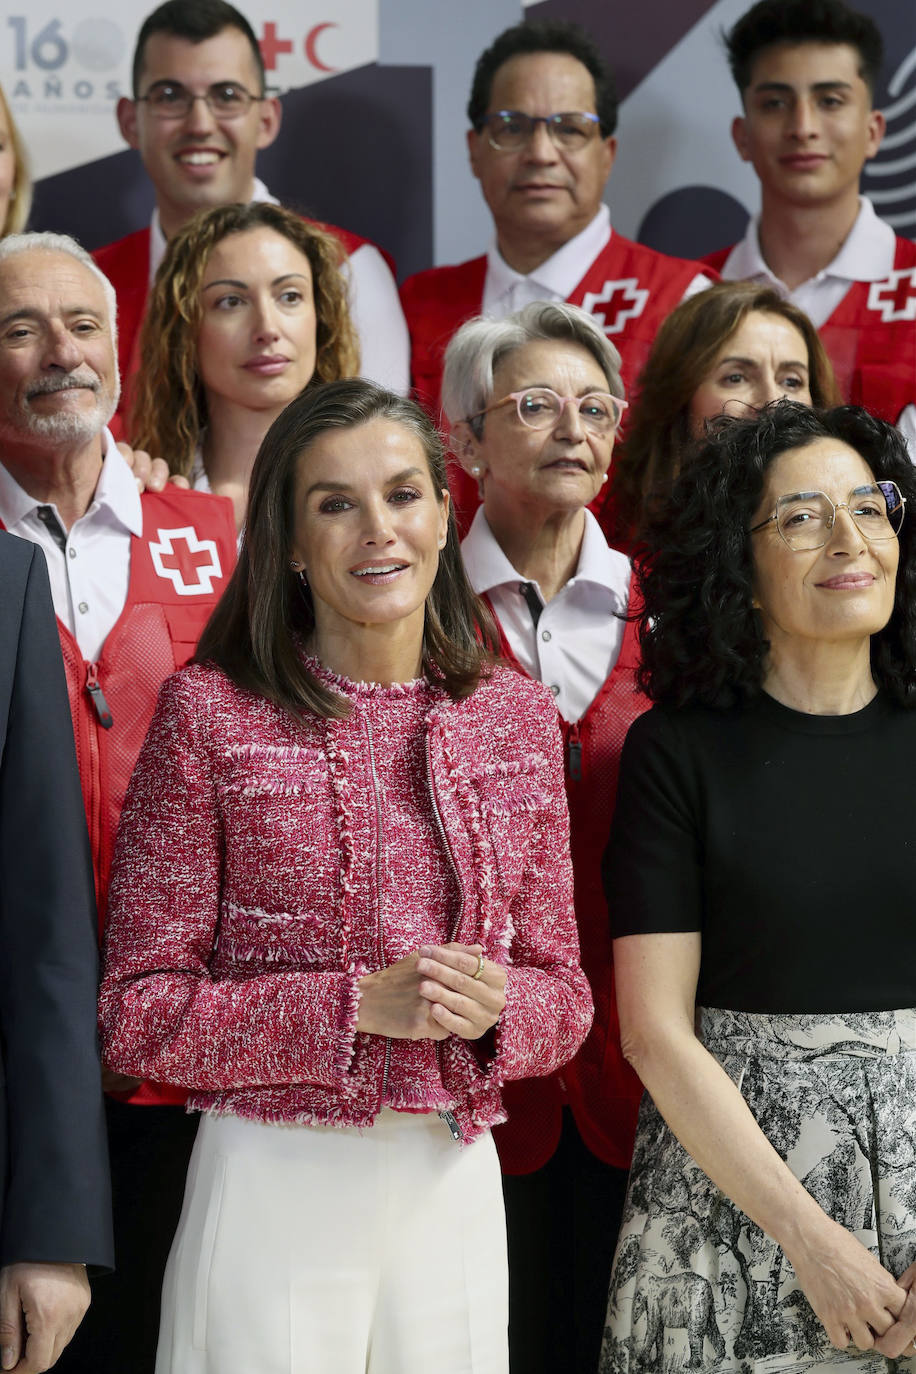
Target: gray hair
(47, 242)
(479, 346)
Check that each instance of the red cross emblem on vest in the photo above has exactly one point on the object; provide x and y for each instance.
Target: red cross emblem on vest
(619, 301)
(189, 563)
(895, 298)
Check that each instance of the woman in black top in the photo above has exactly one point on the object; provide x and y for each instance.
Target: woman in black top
(761, 875)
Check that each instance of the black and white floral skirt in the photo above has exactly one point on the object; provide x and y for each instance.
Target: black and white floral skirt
(696, 1285)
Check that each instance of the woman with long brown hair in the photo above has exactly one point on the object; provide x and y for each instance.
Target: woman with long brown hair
(342, 898)
(248, 308)
(730, 349)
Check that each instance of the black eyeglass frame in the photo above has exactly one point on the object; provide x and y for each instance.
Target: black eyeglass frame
(182, 107)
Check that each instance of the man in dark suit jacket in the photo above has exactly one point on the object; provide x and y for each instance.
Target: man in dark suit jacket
(56, 1211)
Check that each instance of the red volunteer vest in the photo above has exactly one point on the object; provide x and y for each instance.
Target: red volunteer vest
(598, 1084)
(126, 265)
(178, 568)
(871, 337)
(629, 289)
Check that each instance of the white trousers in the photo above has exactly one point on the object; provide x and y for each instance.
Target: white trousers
(313, 1250)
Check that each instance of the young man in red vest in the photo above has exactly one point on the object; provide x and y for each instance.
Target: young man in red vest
(133, 581)
(543, 110)
(806, 71)
(199, 115)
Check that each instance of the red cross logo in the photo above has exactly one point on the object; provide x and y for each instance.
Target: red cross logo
(621, 301)
(271, 46)
(189, 563)
(895, 298)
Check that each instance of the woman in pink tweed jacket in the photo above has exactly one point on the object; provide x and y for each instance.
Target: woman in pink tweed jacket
(342, 898)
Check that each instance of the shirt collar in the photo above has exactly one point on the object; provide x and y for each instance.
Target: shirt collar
(488, 567)
(117, 487)
(116, 490)
(867, 253)
(157, 240)
(561, 273)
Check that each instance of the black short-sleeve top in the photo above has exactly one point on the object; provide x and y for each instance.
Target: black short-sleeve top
(787, 840)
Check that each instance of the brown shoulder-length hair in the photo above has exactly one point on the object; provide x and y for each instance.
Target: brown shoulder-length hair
(169, 412)
(658, 437)
(266, 615)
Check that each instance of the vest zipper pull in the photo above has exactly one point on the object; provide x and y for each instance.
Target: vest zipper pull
(574, 756)
(97, 696)
(452, 1124)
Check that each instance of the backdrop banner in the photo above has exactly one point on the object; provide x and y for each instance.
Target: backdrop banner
(374, 124)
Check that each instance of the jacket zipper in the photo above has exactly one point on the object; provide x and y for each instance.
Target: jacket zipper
(447, 1116)
(574, 773)
(94, 789)
(97, 697)
(386, 1069)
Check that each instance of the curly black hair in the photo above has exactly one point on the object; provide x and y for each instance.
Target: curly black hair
(702, 642)
(545, 35)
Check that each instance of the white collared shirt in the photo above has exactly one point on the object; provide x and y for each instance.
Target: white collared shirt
(578, 636)
(375, 306)
(867, 254)
(506, 290)
(90, 574)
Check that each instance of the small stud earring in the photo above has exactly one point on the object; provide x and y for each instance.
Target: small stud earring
(475, 469)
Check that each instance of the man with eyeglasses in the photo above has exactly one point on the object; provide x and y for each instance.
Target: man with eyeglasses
(200, 113)
(543, 110)
(806, 71)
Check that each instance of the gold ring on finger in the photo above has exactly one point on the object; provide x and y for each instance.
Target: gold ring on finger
(479, 970)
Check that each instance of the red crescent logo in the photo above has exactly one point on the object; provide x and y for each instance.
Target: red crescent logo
(311, 47)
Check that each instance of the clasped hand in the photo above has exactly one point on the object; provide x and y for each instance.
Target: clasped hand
(433, 994)
(857, 1300)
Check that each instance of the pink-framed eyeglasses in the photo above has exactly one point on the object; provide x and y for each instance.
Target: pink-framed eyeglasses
(540, 408)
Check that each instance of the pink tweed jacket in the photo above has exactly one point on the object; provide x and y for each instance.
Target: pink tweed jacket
(243, 909)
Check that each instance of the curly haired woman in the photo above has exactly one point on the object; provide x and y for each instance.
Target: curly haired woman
(248, 309)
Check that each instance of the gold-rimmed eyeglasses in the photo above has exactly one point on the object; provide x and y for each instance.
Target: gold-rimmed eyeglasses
(805, 519)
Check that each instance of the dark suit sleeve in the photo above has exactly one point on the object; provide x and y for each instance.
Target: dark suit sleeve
(56, 1203)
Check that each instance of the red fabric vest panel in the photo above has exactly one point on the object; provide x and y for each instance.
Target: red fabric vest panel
(717, 259)
(126, 265)
(629, 289)
(871, 339)
(599, 1085)
(178, 568)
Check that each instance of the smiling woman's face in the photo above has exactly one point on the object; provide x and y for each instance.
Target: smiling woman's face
(369, 527)
(560, 468)
(843, 591)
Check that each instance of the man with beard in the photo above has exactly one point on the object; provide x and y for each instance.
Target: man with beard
(133, 580)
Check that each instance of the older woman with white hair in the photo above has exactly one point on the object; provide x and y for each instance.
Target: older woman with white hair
(534, 401)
